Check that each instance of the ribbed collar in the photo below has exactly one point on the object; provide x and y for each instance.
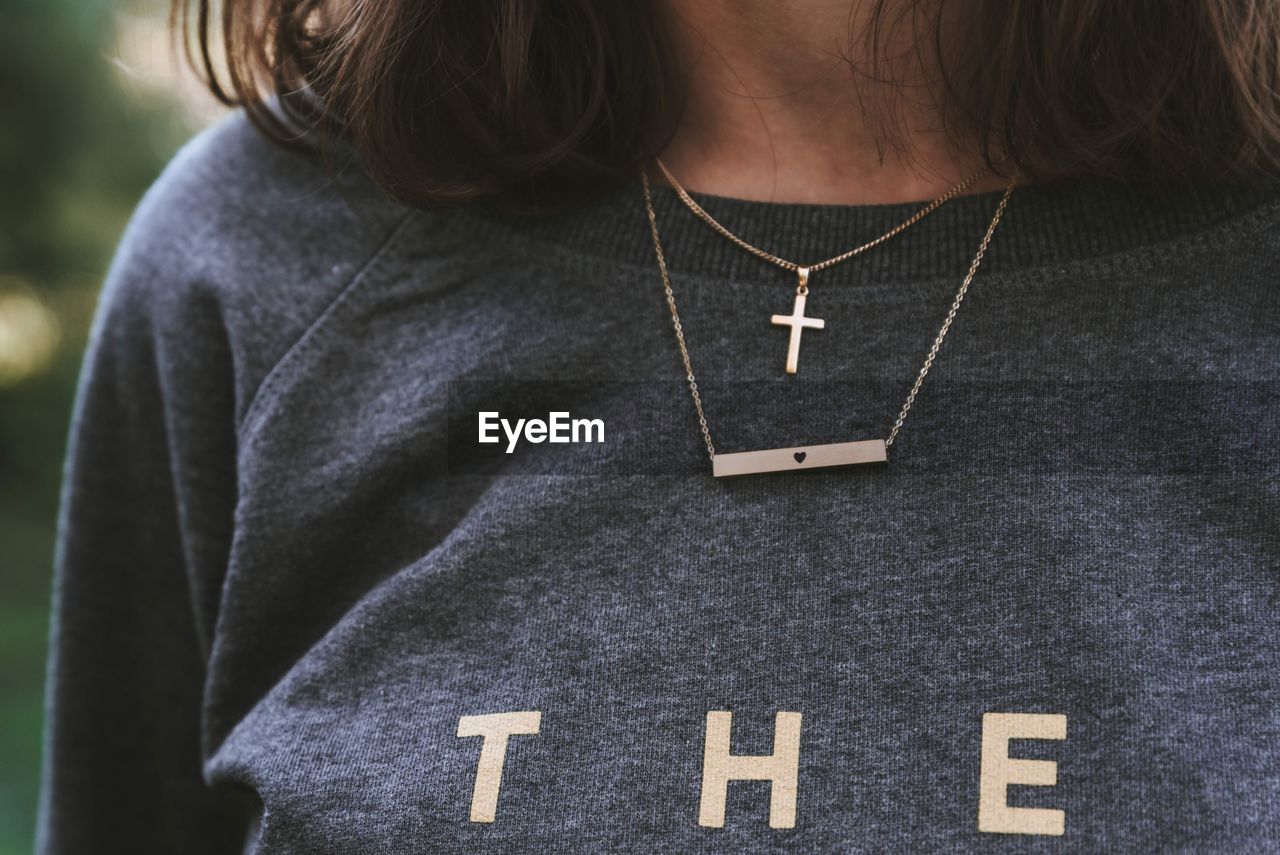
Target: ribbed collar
(1043, 227)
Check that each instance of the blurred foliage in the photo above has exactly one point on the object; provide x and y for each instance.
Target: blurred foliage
(80, 140)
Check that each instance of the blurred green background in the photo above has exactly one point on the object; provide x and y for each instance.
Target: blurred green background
(92, 104)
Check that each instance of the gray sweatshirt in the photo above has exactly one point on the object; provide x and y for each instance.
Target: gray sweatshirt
(301, 607)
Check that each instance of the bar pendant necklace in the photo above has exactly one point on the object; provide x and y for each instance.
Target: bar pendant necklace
(806, 456)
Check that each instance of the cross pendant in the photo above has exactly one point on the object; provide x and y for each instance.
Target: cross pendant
(797, 321)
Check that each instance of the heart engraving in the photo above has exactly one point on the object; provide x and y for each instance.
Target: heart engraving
(799, 456)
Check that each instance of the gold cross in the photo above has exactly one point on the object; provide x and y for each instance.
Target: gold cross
(798, 322)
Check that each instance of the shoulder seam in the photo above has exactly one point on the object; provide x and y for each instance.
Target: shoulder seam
(270, 377)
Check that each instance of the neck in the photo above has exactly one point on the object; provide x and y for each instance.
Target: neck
(776, 111)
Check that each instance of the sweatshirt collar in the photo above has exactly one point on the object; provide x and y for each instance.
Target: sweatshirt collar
(1044, 226)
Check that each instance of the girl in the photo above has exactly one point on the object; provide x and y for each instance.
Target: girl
(933, 350)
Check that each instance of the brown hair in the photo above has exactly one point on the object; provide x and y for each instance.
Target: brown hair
(540, 103)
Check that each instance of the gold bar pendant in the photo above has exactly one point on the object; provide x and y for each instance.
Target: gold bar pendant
(799, 457)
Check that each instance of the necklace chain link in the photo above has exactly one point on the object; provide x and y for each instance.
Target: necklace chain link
(933, 350)
(805, 270)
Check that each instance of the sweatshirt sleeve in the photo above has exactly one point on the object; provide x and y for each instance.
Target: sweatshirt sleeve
(144, 530)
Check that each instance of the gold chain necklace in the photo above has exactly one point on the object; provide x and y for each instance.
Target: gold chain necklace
(797, 320)
(808, 456)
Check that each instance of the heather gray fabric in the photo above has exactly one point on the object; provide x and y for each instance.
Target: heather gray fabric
(287, 568)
